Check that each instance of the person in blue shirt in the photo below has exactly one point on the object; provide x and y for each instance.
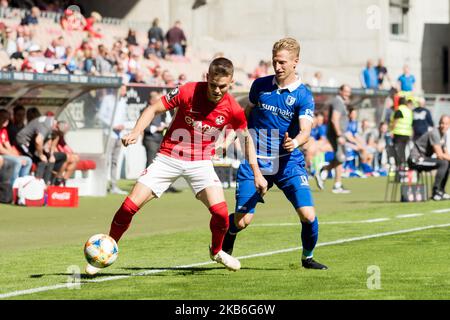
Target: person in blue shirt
(407, 81)
(370, 76)
(279, 106)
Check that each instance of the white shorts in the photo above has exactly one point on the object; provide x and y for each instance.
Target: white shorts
(164, 171)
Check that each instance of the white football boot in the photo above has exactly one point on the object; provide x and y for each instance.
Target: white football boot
(228, 261)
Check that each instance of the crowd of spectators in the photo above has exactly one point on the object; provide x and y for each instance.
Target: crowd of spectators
(133, 60)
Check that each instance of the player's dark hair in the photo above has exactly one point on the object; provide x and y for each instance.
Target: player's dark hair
(221, 67)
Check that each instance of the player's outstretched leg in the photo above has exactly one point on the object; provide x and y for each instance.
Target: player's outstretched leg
(219, 226)
(121, 222)
(122, 219)
(309, 235)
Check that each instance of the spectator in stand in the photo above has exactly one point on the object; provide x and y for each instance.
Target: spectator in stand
(88, 62)
(407, 81)
(37, 141)
(182, 79)
(176, 40)
(167, 77)
(103, 62)
(70, 63)
(121, 72)
(131, 38)
(32, 17)
(155, 49)
(16, 124)
(32, 113)
(317, 79)
(369, 76)
(423, 121)
(22, 42)
(56, 50)
(157, 79)
(382, 73)
(155, 32)
(35, 62)
(70, 165)
(260, 71)
(4, 8)
(22, 164)
(9, 42)
(90, 23)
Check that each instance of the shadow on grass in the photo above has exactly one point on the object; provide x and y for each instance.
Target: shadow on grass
(196, 269)
(134, 271)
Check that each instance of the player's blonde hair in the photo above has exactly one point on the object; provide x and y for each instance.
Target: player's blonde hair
(288, 44)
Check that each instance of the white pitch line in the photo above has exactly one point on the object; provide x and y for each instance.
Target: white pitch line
(441, 211)
(148, 272)
(321, 223)
(412, 215)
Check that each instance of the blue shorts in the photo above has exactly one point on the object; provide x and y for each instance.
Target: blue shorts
(292, 179)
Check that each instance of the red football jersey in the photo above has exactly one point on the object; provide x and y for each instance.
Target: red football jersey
(198, 122)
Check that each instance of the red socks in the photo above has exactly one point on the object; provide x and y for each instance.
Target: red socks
(218, 225)
(122, 219)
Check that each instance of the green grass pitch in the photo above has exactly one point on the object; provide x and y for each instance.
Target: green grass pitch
(407, 245)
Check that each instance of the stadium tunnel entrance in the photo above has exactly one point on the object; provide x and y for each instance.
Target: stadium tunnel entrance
(86, 103)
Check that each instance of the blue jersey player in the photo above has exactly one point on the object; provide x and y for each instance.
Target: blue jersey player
(280, 118)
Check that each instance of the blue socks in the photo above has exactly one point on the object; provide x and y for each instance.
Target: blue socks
(310, 234)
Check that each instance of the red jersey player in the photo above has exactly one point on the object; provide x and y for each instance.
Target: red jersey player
(204, 109)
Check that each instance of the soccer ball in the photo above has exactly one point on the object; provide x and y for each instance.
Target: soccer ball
(101, 250)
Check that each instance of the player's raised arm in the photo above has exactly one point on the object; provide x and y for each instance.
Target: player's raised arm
(143, 122)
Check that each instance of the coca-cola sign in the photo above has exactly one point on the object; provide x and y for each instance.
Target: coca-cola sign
(61, 196)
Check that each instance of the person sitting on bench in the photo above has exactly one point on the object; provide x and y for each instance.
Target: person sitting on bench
(421, 158)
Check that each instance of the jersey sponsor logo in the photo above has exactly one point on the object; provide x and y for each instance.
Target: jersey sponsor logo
(220, 120)
(290, 100)
(172, 94)
(277, 111)
(198, 125)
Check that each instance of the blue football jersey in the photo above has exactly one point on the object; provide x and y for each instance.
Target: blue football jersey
(276, 112)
